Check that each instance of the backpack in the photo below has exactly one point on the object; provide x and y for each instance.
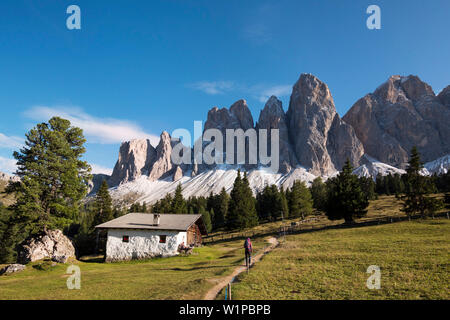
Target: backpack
(247, 244)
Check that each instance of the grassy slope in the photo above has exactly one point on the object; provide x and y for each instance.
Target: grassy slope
(190, 277)
(163, 278)
(413, 257)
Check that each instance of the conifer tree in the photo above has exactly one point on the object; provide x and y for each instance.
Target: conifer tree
(417, 189)
(300, 200)
(249, 204)
(206, 218)
(54, 179)
(103, 210)
(270, 204)
(345, 199)
(284, 204)
(319, 194)
(242, 210)
(220, 214)
(178, 202)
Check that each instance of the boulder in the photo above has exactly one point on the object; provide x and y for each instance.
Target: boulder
(52, 244)
(12, 268)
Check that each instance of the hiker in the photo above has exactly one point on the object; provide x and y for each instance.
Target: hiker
(248, 252)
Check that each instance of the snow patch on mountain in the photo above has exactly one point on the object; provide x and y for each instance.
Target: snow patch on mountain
(143, 189)
(438, 166)
(371, 167)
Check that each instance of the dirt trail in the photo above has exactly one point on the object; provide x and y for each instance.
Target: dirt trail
(214, 291)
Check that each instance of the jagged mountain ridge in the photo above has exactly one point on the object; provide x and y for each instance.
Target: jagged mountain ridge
(314, 140)
(401, 113)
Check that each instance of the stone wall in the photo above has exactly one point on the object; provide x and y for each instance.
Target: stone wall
(143, 244)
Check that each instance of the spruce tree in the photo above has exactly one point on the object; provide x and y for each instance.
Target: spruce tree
(249, 204)
(206, 218)
(345, 198)
(220, 214)
(10, 233)
(270, 205)
(178, 202)
(54, 179)
(103, 210)
(300, 200)
(416, 199)
(232, 218)
(242, 211)
(319, 194)
(284, 204)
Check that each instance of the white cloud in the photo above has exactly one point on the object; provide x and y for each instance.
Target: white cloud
(98, 169)
(279, 91)
(10, 142)
(96, 130)
(212, 87)
(7, 165)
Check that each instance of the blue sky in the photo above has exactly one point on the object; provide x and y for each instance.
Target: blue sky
(139, 67)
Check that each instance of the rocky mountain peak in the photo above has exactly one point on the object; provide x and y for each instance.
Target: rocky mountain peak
(162, 163)
(311, 91)
(401, 113)
(273, 117)
(238, 116)
(311, 115)
(242, 113)
(135, 158)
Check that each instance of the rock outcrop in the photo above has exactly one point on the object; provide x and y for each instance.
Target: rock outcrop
(402, 113)
(273, 117)
(178, 174)
(316, 130)
(135, 159)
(237, 117)
(8, 178)
(96, 181)
(163, 163)
(12, 268)
(444, 96)
(52, 244)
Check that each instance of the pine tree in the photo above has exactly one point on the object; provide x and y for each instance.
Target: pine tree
(242, 211)
(300, 200)
(206, 218)
(220, 214)
(54, 179)
(417, 189)
(368, 187)
(249, 204)
(178, 202)
(232, 218)
(319, 194)
(284, 204)
(345, 198)
(269, 204)
(103, 205)
(10, 233)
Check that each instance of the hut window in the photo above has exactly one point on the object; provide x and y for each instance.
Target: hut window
(125, 239)
(162, 239)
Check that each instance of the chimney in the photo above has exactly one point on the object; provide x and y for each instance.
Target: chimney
(156, 218)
